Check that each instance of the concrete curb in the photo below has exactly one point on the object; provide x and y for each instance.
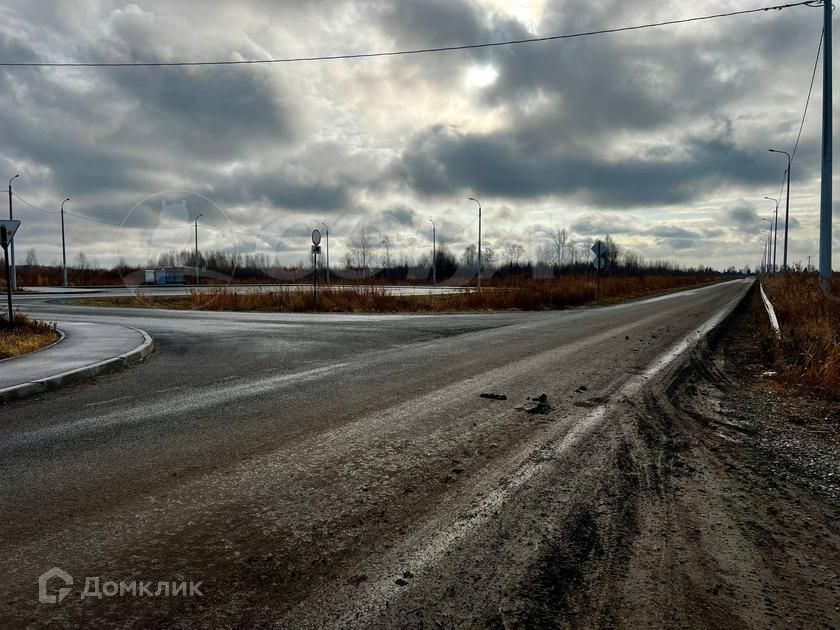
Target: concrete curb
(114, 364)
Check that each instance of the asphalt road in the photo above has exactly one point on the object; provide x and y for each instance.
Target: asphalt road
(333, 470)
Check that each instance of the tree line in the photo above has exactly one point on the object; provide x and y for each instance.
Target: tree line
(366, 259)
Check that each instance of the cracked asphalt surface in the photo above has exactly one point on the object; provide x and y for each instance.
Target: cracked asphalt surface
(344, 470)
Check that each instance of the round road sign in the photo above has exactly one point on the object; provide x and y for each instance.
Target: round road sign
(316, 237)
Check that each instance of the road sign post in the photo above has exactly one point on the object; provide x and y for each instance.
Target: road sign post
(7, 233)
(599, 248)
(316, 249)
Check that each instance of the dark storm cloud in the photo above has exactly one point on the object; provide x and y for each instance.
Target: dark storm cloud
(443, 161)
(673, 232)
(432, 22)
(743, 218)
(216, 114)
(109, 138)
(679, 243)
(280, 190)
(600, 225)
(401, 215)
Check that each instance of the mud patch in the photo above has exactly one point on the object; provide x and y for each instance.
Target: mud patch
(548, 600)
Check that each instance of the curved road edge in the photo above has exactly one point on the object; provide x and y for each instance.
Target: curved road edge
(67, 377)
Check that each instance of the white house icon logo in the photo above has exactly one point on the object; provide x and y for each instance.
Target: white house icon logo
(48, 598)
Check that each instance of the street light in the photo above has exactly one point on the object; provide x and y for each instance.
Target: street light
(196, 247)
(775, 231)
(478, 276)
(434, 252)
(767, 244)
(12, 272)
(328, 251)
(787, 208)
(63, 248)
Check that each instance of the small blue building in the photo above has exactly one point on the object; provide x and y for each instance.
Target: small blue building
(163, 276)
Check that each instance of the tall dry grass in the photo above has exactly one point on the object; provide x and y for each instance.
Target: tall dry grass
(810, 325)
(521, 294)
(27, 335)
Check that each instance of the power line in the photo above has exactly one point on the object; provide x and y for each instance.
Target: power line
(804, 113)
(122, 225)
(85, 218)
(808, 99)
(34, 207)
(395, 53)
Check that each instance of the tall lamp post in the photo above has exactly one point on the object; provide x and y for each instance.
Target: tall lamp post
(775, 230)
(478, 281)
(434, 252)
(328, 251)
(767, 257)
(63, 248)
(827, 157)
(787, 208)
(196, 247)
(12, 272)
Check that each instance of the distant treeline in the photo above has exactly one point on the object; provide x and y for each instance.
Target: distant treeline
(361, 263)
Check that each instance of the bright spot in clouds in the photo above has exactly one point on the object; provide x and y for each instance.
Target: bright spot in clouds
(481, 76)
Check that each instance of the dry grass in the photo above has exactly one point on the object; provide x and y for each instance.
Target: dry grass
(27, 336)
(809, 349)
(531, 294)
(521, 294)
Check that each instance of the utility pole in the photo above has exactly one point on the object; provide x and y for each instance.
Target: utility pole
(13, 272)
(63, 248)
(827, 169)
(434, 252)
(808, 268)
(328, 252)
(196, 247)
(787, 208)
(478, 281)
(767, 258)
(4, 241)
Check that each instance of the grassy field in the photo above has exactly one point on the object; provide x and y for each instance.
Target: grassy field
(530, 294)
(27, 336)
(809, 348)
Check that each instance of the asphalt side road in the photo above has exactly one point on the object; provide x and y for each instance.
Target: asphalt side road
(342, 470)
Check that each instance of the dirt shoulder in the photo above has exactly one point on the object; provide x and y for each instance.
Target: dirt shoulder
(739, 528)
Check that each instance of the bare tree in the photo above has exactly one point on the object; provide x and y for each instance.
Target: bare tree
(613, 252)
(559, 242)
(469, 256)
(514, 254)
(82, 262)
(386, 243)
(581, 250)
(358, 254)
(31, 258)
(488, 258)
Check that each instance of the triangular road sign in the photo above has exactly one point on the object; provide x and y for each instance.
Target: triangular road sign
(11, 226)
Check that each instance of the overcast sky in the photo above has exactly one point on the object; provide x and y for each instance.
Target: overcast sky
(657, 137)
